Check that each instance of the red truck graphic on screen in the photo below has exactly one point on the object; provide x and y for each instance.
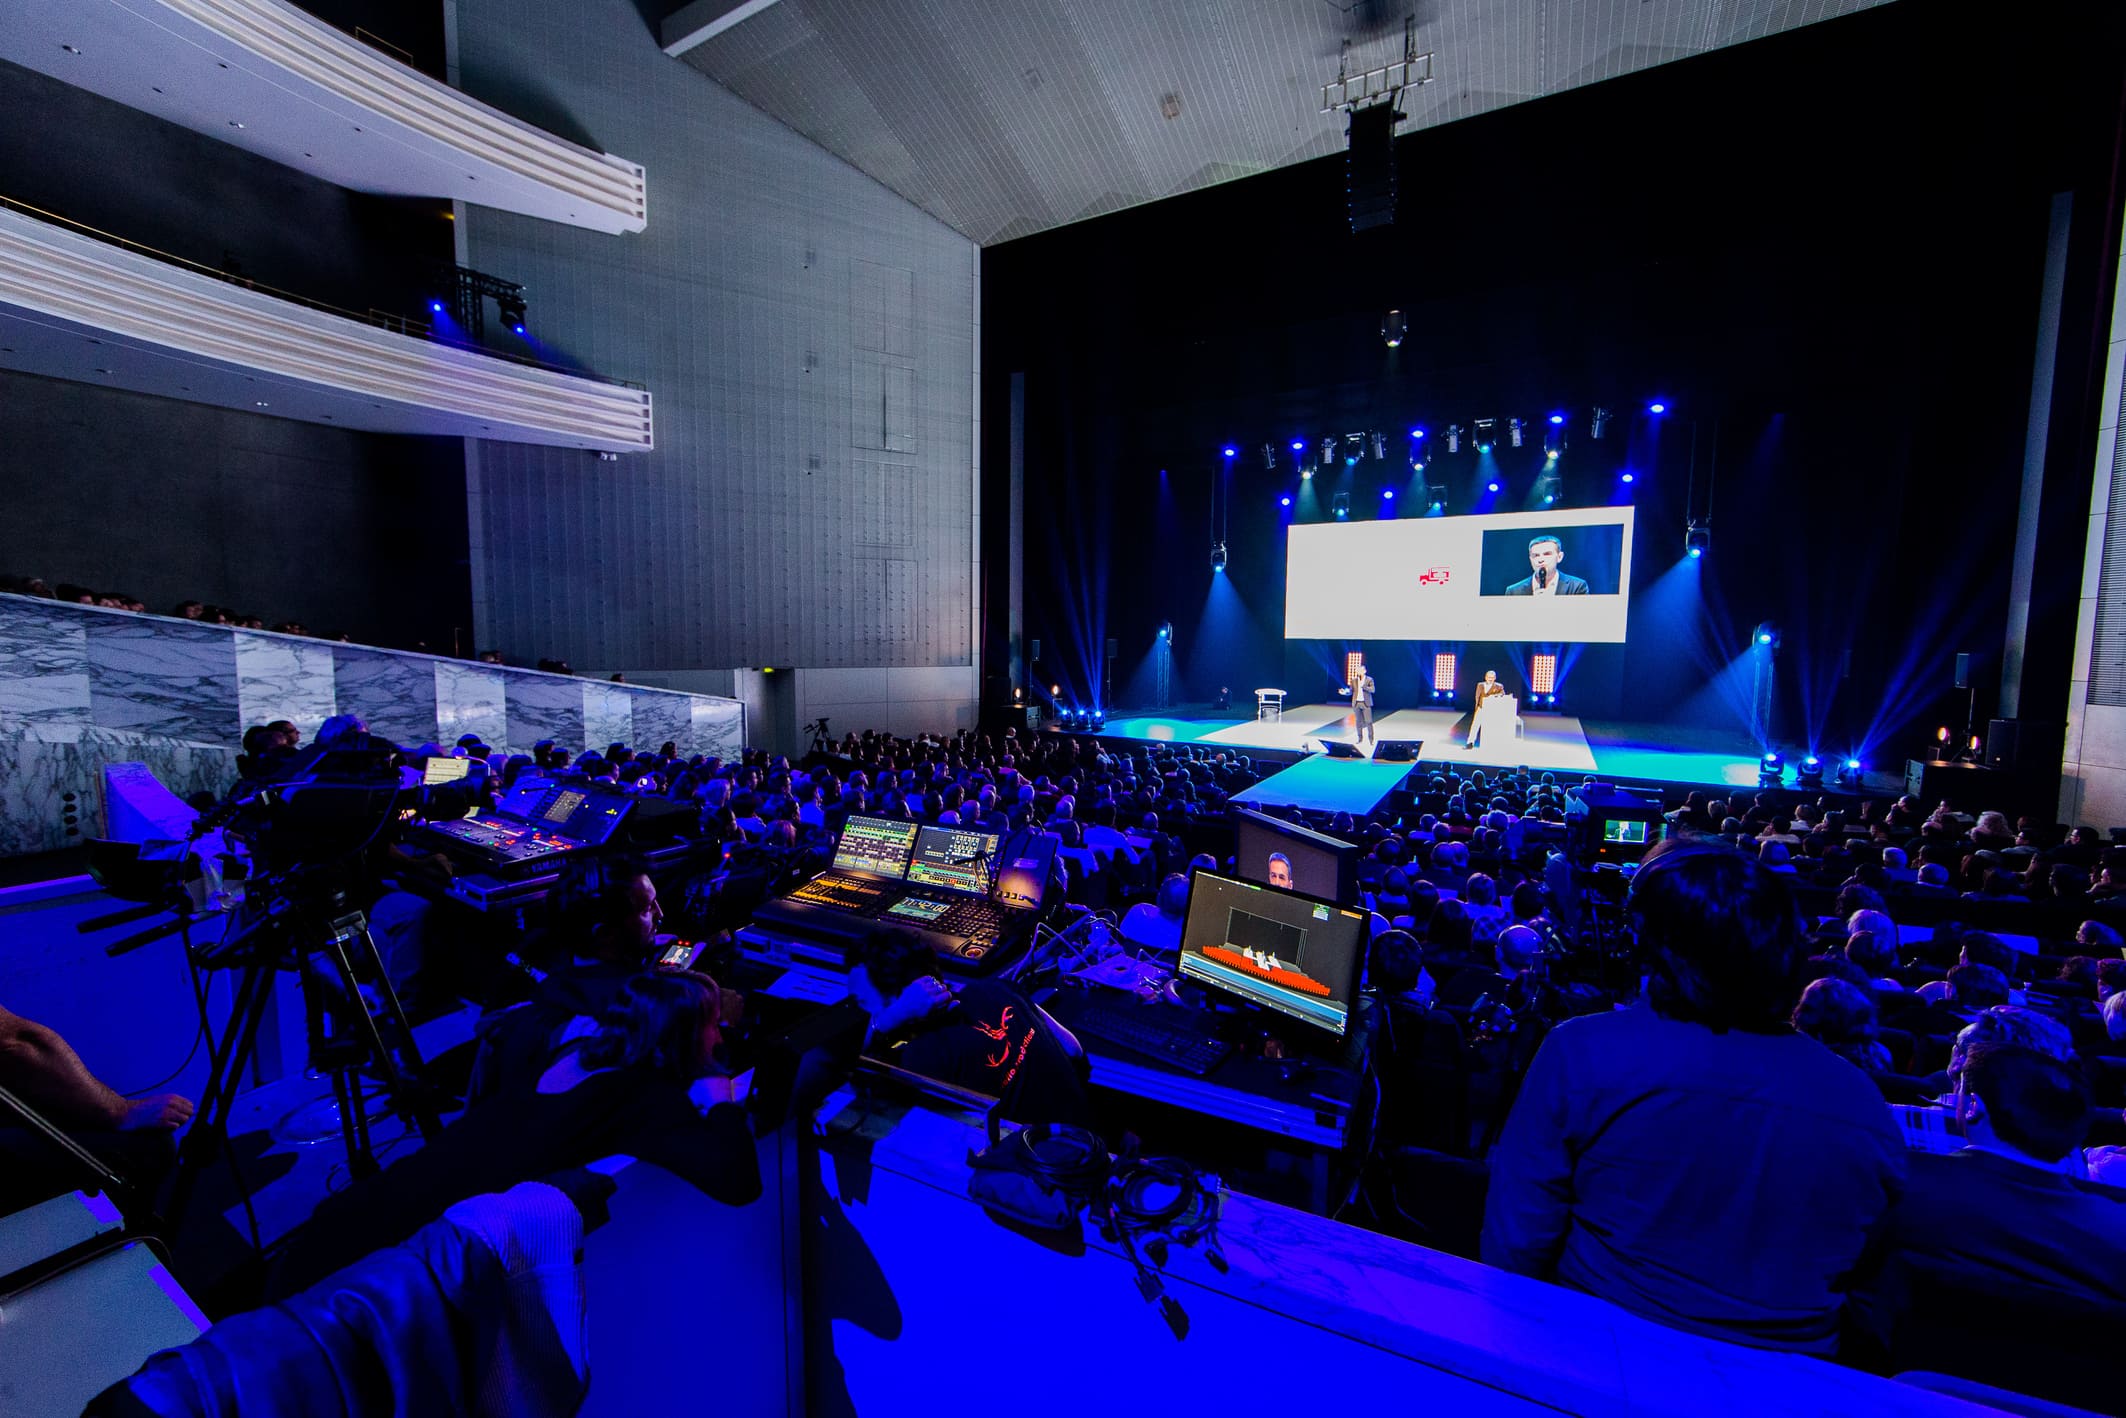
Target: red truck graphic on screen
(1434, 576)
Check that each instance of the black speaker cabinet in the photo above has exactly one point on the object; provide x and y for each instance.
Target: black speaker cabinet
(1337, 748)
(2002, 736)
(1397, 750)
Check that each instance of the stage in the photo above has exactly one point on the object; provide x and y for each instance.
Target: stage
(1557, 743)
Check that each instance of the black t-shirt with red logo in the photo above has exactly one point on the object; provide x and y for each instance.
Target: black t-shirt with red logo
(990, 1038)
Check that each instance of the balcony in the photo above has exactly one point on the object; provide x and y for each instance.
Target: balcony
(76, 306)
(269, 78)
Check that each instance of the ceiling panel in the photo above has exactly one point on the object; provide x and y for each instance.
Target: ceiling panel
(1004, 120)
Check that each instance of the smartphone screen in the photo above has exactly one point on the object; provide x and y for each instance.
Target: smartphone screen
(679, 955)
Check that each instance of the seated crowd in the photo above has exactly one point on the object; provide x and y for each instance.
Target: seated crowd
(1777, 1086)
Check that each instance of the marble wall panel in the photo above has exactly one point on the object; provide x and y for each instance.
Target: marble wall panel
(394, 694)
(662, 718)
(608, 717)
(44, 665)
(165, 678)
(83, 686)
(470, 700)
(720, 728)
(544, 707)
(284, 677)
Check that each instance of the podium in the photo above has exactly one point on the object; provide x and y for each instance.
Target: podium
(1269, 705)
(1498, 717)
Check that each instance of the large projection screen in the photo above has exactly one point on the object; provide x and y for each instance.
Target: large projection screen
(1463, 578)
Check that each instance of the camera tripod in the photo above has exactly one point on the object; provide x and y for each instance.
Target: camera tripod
(316, 934)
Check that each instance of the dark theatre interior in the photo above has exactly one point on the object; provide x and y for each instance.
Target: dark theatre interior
(1271, 705)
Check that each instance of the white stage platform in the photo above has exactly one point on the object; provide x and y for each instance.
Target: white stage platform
(1548, 741)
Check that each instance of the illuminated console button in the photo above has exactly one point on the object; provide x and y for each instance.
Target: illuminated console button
(973, 951)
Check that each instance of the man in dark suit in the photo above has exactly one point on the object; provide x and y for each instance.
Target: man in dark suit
(1545, 555)
(1361, 691)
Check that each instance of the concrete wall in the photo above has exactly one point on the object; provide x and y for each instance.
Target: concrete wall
(2093, 765)
(809, 338)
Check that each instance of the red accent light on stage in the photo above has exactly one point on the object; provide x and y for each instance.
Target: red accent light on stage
(1443, 665)
(1542, 674)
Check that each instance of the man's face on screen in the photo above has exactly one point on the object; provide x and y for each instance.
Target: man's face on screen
(1545, 556)
(1280, 873)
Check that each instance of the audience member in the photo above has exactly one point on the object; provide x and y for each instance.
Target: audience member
(1692, 1158)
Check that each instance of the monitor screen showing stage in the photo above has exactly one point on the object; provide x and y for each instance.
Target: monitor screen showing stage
(1280, 950)
(1548, 578)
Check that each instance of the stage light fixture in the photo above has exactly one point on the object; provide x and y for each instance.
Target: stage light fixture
(1269, 456)
(1550, 699)
(1285, 501)
(1849, 773)
(1557, 419)
(1417, 465)
(1054, 690)
(1388, 493)
(1443, 667)
(1767, 636)
(1306, 475)
(1810, 773)
(1514, 430)
(1380, 447)
(1657, 407)
(1392, 328)
(1627, 477)
(1328, 451)
(1417, 433)
(1166, 630)
(1218, 556)
(1771, 769)
(1598, 423)
(1484, 430)
(436, 306)
(1299, 445)
(1341, 504)
(1231, 451)
(1491, 487)
(1543, 673)
(1697, 540)
(1436, 494)
(1454, 438)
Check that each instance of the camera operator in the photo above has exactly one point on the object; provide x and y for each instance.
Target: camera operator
(135, 1136)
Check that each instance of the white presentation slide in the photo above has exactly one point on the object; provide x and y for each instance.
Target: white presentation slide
(1539, 578)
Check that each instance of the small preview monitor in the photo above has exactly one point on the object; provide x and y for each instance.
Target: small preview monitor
(1295, 954)
(444, 770)
(1628, 833)
(875, 846)
(1290, 857)
(957, 859)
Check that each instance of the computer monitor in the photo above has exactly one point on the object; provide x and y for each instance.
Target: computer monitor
(955, 858)
(1295, 954)
(444, 770)
(1290, 857)
(875, 846)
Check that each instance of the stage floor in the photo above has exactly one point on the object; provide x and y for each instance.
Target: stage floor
(1558, 743)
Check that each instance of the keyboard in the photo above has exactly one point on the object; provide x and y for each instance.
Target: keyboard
(1148, 1030)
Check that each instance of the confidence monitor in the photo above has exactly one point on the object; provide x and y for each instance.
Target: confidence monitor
(1290, 857)
(1294, 954)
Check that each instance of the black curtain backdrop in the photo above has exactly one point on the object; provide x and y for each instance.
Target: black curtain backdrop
(1823, 250)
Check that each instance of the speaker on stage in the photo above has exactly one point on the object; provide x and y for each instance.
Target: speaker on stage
(1337, 748)
(2001, 737)
(1963, 669)
(1397, 750)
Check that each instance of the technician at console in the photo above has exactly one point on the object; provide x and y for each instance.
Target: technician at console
(977, 1034)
